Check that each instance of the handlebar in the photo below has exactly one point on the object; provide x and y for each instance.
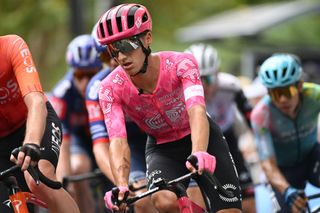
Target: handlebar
(97, 173)
(36, 174)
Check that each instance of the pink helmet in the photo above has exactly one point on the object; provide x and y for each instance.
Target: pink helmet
(123, 21)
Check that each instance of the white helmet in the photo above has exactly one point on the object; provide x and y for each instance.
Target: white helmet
(207, 58)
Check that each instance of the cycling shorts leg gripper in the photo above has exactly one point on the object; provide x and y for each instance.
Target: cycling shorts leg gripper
(245, 180)
(52, 137)
(225, 170)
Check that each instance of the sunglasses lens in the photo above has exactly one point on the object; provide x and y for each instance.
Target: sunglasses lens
(288, 92)
(80, 74)
(208, 79)
(124, 46)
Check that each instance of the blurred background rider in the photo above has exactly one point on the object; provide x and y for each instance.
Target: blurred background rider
(224, 100)
(68, 99)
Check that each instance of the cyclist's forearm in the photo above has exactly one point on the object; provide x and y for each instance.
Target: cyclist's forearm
(64, 163)
(36, 121)
(101, 153)
(199, 128)
(275, 177)
(120, 160)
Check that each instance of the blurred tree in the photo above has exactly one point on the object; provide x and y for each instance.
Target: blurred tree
(46, 25)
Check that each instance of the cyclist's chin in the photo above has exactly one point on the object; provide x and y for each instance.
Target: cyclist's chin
(287, 109)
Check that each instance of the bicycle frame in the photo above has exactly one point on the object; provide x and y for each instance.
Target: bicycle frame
(310, 197)
(19, 201)
(185, 204)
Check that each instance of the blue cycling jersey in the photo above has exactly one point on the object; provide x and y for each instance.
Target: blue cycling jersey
(96, 120)
(70, 107)
(289, 140)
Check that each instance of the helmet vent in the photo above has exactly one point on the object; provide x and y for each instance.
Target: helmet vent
(118, 19)
(267, 74)
(101, 30)
(144, 17)
(109, 24)
(131, 13)
(293, 72)
(284, 72)
(79, 53)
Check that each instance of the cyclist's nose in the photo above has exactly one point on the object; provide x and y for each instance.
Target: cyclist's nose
(121, 57)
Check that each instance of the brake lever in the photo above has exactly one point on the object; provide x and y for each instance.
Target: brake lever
(34, 174)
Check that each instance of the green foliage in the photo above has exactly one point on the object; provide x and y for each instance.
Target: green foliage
(44, 24)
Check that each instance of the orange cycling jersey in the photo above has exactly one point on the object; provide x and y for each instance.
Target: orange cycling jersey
(18, 77)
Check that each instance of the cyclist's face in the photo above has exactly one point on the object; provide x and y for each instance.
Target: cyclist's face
(128, 53)
(82, 77)
(210, 85)
(286, 99)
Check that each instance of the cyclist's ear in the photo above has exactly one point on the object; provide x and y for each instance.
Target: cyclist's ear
(300, 85)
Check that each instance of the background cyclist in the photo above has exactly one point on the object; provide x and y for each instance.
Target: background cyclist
(136, 137)
(285, 126)
(162, 93)
(68, 99)
(27, 119)
(224, 96)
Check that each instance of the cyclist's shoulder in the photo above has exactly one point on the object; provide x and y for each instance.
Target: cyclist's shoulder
(64, 86)
(114, 79)
(94, 83)
(172, 58)
(311, 90)
(262, 108)
(8, 39)
(11, 45)
(228, 81)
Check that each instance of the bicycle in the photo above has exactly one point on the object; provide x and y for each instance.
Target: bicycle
(275, 204)
(185, 204)
(311, 197)
(19, 199)
(97, 183)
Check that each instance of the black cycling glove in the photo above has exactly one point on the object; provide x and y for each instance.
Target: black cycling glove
(30, 149)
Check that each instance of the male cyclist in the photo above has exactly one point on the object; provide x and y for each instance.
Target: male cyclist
(136, 137)
(68, 99)
(224, 96)
(285, 125)
(27, 120)
(163, 95)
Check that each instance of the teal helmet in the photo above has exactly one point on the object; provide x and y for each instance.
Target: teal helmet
(280, 70)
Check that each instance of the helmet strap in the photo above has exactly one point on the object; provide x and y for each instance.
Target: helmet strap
(147, 52)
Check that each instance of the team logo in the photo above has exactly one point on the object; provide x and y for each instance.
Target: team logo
(138, 23)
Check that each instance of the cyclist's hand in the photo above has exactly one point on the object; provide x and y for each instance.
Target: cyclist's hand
(295, 199)
(115, 198)
(205, 161)
(26, 155)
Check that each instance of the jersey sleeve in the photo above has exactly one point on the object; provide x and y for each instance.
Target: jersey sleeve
(98, 129)
(23, 66)
(112, 110)
(243, 105)
(261, 128)
(188, 73)
(312, 90)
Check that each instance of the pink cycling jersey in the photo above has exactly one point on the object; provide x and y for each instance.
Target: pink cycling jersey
(162, 114)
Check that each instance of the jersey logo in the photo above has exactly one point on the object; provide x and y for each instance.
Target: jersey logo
(26, 55)
(9, 92)
(187, 69)
(118, 79)
(174, 113)
(93, 90)
(94, 111)
(156, 122)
